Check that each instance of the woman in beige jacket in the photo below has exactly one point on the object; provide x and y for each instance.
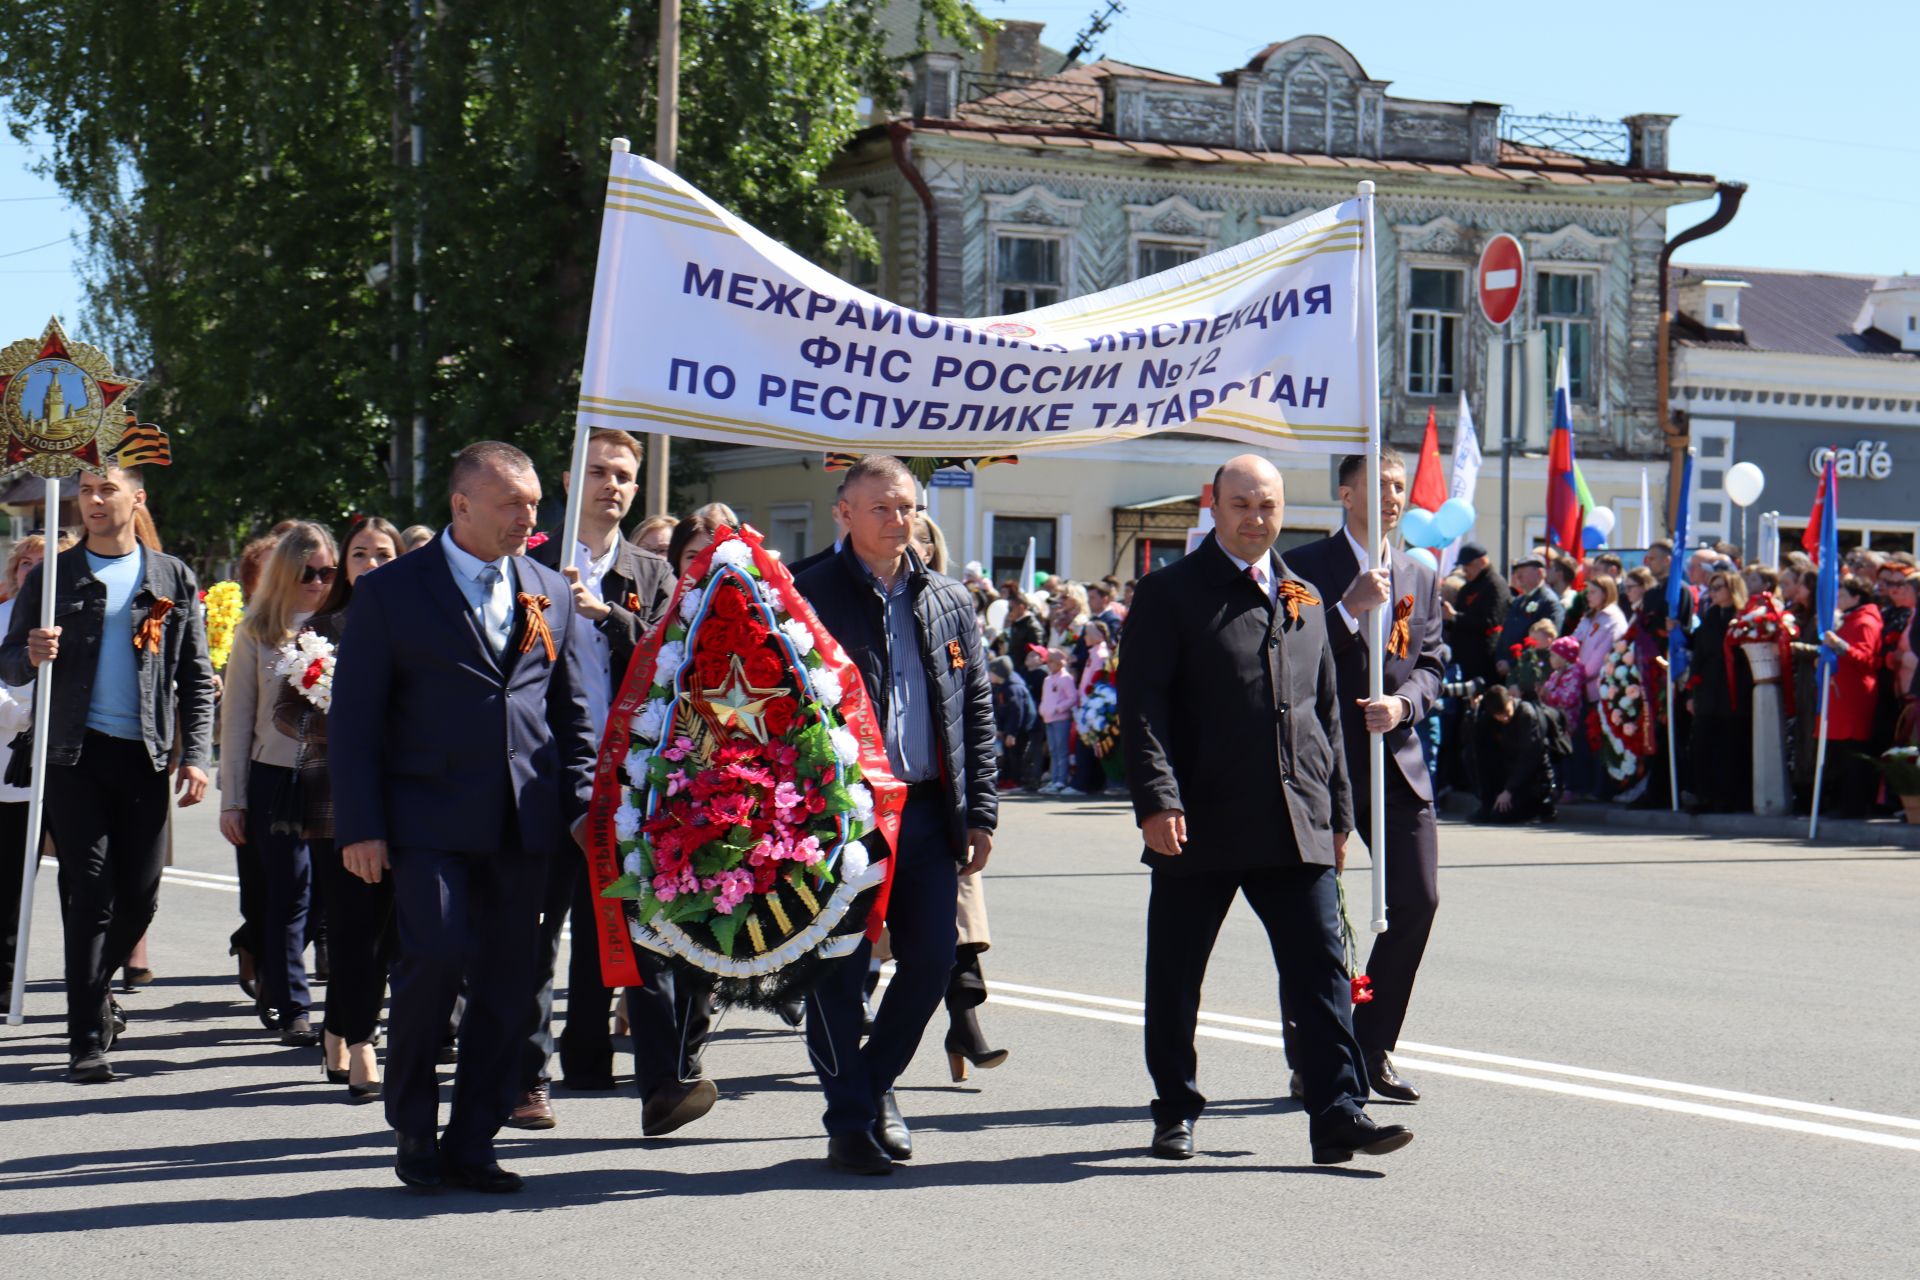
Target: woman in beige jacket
(257, 776)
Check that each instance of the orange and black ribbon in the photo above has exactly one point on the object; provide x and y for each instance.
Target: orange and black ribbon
(633, 602)
(1293, 595)
(955, 657)
(537, 628)
(1402, 635)
(153, 626)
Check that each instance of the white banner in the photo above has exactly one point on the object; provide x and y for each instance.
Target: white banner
(1465, 479)
(704, 327)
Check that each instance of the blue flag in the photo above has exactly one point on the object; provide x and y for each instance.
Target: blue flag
(1826, 602)
(1677, 651)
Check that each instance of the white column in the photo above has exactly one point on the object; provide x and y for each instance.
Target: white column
(1772, 794)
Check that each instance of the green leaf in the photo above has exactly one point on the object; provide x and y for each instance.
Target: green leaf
(650, 907)
(625, 887)
(725, 928)
(688, 906)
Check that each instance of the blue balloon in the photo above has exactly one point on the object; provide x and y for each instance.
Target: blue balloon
(1417, 527)
(1423, 556)
(1592, 538)
(1453, 519)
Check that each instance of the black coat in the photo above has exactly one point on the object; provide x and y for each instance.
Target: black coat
(1478, 613)
(853, 612)
(1525, 610)
(638, 588)
(1330, 566)
(1227, 713)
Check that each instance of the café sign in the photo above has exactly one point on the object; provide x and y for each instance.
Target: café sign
(1867, 460)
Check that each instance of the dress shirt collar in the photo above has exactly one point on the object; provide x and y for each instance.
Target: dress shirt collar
(466, 565)
(1266, 567)
(1361, 555)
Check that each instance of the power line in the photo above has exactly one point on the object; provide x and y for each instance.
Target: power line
(23, 199)
(36, 248)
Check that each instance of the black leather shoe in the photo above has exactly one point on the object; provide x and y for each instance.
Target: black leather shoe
(1296, 1087)
(1387, 1083)
(858, 1153)
(676, 1105)
(299, 1033)
(488, 1177)
(89, 1065)
(1342, 1139)
(890, 1129)
(1173, 1141)
(793, 1010)
(417, 1161)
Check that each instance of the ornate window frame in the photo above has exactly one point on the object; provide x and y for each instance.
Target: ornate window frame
(1034, 212)
(1173, 221)
(1443, 245)
(1574, 250)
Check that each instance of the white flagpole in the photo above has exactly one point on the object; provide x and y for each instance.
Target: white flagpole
(42, 726)
(1819, 755)
(1028, 566)
(1646, 511)
(1673, 756)
(1377, 620)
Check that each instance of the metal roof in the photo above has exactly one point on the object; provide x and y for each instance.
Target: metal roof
(1792, 312)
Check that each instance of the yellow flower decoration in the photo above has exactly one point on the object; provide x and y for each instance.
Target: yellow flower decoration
(223, 615)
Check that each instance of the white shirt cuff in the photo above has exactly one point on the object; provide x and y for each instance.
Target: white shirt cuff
(1352, 624)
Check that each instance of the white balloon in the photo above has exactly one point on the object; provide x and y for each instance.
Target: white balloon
(1743, 483)
(997, 615)
(1601, 518)
(1424, 556)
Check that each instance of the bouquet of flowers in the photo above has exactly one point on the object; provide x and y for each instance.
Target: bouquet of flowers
(1096, 717)
(224, 609)
(740, 779)
(306, 664)
(1625, 722)
(1529, 667)
(1763, 621)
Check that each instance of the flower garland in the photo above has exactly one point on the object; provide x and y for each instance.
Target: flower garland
(306, 664)
(1096, 717)
(1763, 621)
(1624, 721)
(225, 608)
(732, 789)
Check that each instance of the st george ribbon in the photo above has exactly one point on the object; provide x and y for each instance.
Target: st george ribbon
(705, 328)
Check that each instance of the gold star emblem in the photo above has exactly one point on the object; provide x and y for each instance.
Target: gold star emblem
(737, 705)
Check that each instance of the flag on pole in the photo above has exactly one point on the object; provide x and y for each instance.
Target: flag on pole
(1567, 498)
(1466, 475)
(1428, 490)
(1813, 540)
(1646, 511)
(1826, 603)
(1028, 573)
(1677, 579)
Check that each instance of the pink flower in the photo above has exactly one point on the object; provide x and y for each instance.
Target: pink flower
(535, 540)
(682, 747)
(730, 889)
(669, 885)
(676, 782)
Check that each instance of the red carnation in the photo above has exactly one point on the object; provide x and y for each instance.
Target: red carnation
(315, 669)
(764, 874)
(712, 666)
(725, 635)
(729, 602)
(1362, 989)
(780, 715)
(764, 669)
(753, 630)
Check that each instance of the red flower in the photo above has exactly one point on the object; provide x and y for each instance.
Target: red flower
(315, 669)
(712, 665)
(1515, 649)
(764, 874)
(1362, 989)
(753, 630)
(724, 635)
(535, 539)
(780, 715)
(729, 602)
(764, 669)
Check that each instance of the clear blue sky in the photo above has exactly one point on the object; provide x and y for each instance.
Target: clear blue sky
(1811, 105)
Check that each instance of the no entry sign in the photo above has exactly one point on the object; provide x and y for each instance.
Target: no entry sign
(1497, 280)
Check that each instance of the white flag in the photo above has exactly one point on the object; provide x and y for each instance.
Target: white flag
(1646, 512)
(1466, 475)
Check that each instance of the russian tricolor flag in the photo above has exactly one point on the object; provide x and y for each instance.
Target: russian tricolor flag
(1564, 509)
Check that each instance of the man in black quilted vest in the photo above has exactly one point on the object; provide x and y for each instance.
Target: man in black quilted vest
(915, 639)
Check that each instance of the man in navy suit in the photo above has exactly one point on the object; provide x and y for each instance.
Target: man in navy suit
(1356, 575)
(462, 753)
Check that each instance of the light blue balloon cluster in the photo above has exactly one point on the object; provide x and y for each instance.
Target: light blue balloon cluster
(1437, 528)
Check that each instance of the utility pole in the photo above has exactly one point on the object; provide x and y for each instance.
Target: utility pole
(420, 380)
(666, 149)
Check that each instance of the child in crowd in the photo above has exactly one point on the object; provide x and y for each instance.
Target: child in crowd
(1058, 695)
(1014, 720)
(1566, 688)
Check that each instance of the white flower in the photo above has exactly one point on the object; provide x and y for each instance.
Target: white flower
(846, 748)
(853, 859)
(733, 552)
(650, 722)
(626, 822)
(826, 685)
(636, 768)
(673, 655)
(862, 799)
(796, 631)
(690, 604)
(631, 863)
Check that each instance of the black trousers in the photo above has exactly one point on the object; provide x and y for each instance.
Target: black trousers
(472, 918)
(13, 857)
(1413, 896)
(360, 929)
(287, 873)
(253, 898)
(1299, 907)
(108, 814)
(670, 1016)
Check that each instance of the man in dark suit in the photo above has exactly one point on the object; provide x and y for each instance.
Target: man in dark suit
(1533, 599)
(1230, 724)
(619, 593)
(1358, 574)
(914, 638)
(462, 753)
(1477, 614)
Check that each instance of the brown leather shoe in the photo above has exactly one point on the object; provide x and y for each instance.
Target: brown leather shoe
(675, 1105)
(535, 1110)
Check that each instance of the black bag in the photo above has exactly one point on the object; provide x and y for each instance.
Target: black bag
(20, 768)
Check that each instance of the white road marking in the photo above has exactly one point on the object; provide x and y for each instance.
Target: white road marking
(1107, 1010)
(200, 880)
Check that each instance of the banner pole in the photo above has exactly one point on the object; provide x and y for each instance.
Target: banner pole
(42, 726)
(1673, 711)
(1376, 620)
(1819, 755)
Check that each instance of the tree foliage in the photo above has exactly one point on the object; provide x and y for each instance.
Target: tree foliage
(244, 166)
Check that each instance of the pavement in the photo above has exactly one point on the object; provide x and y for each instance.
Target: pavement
(1643, 1053)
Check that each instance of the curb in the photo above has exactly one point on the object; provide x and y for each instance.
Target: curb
(1872, 833)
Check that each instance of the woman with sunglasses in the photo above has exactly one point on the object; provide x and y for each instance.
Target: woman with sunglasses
(359, 915)
(257, 770)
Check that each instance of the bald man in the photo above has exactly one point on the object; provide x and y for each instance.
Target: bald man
(1230, 721)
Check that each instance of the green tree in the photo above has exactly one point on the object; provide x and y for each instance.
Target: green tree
(245, 169)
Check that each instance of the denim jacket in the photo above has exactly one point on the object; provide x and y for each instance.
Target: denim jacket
(175, 679)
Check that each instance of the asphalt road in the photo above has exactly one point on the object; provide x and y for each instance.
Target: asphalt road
(1642, 1056)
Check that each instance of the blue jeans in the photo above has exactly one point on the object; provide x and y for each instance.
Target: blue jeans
(1059, 751)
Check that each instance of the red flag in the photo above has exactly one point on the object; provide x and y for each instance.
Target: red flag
(1429, 486)
(1810, 540)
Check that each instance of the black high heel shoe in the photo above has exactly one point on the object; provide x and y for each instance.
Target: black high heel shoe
(966, 1045)
(334, 1076)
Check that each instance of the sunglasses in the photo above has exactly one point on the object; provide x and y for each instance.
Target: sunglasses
(311, 574)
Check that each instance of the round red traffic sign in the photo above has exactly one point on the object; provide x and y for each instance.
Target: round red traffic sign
(1497, 279)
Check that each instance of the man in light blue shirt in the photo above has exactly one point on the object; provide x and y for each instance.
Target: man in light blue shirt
(488, 586)
(114, 708)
